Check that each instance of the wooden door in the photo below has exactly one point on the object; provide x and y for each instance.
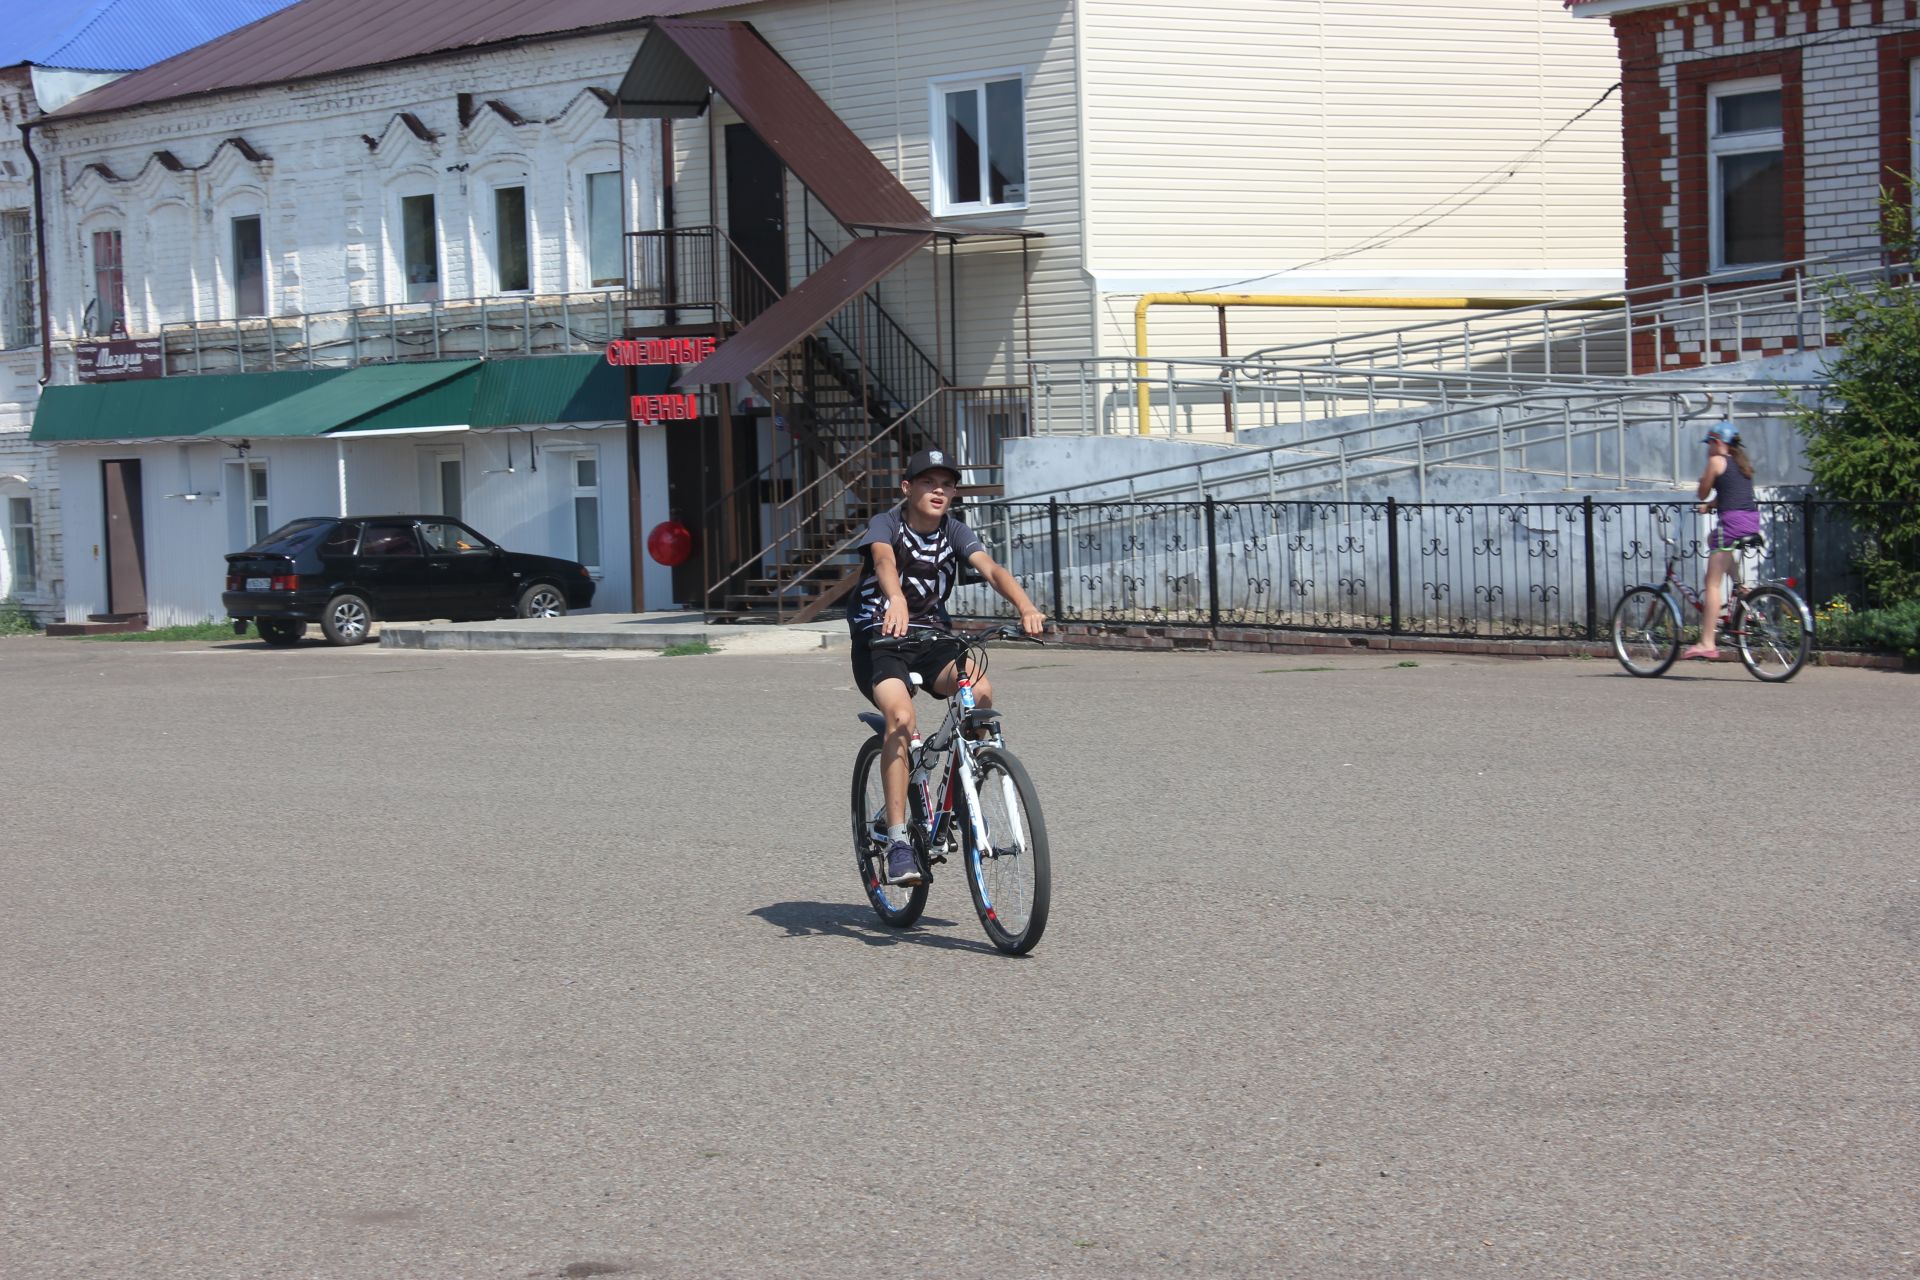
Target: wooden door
(126, 537)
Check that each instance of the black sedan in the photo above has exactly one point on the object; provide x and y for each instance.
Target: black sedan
(346, 573)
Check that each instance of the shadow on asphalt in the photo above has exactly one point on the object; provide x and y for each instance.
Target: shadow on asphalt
(858, 923)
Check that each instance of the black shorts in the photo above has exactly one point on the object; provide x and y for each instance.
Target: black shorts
(927, 657)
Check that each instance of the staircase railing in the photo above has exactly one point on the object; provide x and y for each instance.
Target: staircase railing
(808, 515)
(1701, 320)
(864, 333)
(696, 269)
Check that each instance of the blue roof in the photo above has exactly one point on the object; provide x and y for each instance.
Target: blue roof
(120, 35)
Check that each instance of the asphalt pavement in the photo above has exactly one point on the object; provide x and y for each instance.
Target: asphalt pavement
(375, 963)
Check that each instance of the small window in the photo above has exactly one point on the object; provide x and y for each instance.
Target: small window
(1747, 173)
(257, 500)
(586, 511)
(109, 304)
(341, 539)
(420, 248)
(511, 269)
(447, 484)
(444, 537)
(249, 269)
(19, 281)
(20, 559)
(979, 145)
(389, 539)
(604, 229)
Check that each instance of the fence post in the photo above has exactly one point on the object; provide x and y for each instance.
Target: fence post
(1593, 585)
(1393, 567)
(1806, 549)
(1053, 523)
(1213, 571)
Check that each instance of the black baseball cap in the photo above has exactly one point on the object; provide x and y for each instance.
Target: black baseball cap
(930, 460)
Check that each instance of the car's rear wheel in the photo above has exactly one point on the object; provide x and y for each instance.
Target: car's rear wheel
(280, 633)
(348, 620)
(542, 600)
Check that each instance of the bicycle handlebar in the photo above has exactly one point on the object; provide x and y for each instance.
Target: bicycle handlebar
(920, 633)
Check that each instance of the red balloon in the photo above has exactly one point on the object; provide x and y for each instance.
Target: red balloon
(670, 543)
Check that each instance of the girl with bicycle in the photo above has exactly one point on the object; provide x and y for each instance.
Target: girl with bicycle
(1726, 486)
(911, 558)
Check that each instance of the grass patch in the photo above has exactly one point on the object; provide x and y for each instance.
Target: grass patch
(687, 649)
(211, 629)
(1406, 664)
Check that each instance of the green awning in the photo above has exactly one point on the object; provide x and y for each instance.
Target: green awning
(417, 396)
(452, 395)
(538, 390)
(163, 408)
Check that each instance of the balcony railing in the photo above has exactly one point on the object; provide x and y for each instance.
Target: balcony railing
(529, 325)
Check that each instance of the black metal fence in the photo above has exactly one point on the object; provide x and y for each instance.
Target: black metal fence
(1508, 570)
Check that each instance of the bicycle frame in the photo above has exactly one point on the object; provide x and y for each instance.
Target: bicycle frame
(951, 738)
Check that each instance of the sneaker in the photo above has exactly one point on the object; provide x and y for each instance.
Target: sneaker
(902, 867)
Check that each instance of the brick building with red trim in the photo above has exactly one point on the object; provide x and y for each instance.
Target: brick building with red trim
(1757, 133)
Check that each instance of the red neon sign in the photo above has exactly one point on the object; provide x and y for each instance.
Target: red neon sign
(676, 408)
(639, 351)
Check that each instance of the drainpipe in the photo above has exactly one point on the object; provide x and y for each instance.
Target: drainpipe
(40, 253)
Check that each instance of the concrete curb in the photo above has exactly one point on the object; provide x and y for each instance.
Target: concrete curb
(617, 632)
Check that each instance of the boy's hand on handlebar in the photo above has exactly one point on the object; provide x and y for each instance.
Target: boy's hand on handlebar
(1032, 621)
(894, 621)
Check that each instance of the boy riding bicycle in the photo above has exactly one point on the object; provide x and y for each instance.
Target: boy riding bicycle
(911, 557)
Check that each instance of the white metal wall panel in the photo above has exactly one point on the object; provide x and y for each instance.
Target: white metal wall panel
(1369, 137)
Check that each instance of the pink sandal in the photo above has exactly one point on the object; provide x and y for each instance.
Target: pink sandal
(1700, 651)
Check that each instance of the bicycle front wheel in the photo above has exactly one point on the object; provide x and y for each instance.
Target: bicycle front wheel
(1775, 639)
(1646, 631)
(897, 905)
(1011, 875)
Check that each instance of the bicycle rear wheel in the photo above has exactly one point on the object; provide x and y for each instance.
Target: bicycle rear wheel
(1646, 631)
(897, 905)
(1011, 878)
(1771, 624)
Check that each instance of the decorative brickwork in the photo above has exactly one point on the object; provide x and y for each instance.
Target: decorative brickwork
(1846, 107)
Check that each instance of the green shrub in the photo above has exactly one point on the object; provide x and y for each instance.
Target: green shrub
(15, 620)
(1895, 629)
(1863, 438)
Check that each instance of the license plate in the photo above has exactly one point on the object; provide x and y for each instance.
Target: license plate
(259, 584)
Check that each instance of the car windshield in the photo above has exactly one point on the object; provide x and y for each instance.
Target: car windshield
(449, 537)
(289, 538)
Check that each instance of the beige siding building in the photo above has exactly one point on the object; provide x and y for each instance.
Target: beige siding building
(1261, 146)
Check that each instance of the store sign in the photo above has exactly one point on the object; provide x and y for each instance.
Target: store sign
(118, 360)
(675, 408)
(641, 351)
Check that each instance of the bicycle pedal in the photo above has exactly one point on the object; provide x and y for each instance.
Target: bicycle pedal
(936, 857)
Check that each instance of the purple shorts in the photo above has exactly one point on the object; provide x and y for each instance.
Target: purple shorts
(1733, 526)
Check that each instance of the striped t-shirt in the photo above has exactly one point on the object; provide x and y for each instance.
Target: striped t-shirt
(929, 565)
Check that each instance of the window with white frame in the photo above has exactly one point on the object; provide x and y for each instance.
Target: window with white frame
(249, 268)
(259, 523)
(19, 281)
(22, 571)
(109, 304)
(604, 231)
(447, 481)
(512, 268)
(979, 143)
(1746, 173)
(420, 248)
(1913, 124)
(586, 509)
